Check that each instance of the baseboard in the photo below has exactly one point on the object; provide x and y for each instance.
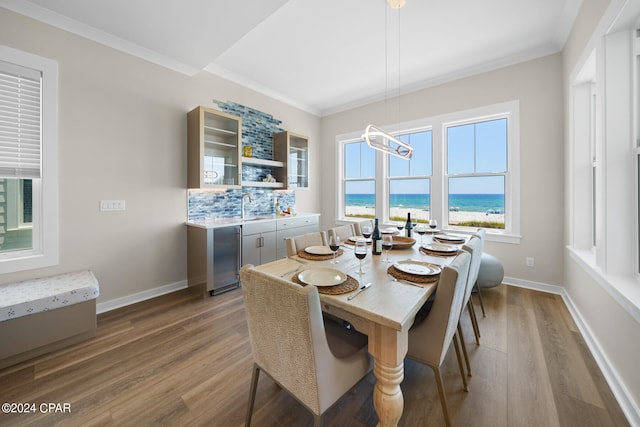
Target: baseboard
(140, 296)
(619, 390)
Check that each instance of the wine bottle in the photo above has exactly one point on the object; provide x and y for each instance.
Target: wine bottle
(408, 226)
(376, 240)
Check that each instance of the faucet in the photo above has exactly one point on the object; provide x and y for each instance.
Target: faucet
(248, 195)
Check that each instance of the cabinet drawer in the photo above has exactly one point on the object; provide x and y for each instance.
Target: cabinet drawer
(258, 227)
(302, 221)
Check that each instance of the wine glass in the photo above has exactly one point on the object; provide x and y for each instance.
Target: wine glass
(400, 227)
(366, 231)
(433, 224)
(387, 244)
(360, 252)
(334, 245)
(421, 230)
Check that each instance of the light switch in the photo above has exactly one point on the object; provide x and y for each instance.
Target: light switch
(112, 205)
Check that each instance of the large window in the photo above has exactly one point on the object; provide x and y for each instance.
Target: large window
(463, 173)
(28, 161)
(477, 173)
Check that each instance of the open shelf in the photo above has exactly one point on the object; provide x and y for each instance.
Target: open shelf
(262, 184)
(262, 162)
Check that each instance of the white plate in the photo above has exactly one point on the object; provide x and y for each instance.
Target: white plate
(354, 238)
(318, 250)
(389, 231)
(322, 277)
(417, 267)
(439, 247)
(449, 237)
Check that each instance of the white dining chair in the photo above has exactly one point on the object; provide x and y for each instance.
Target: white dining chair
(481, 234)
(430, 340)
(357, 227)
(299, 243)
(343, 232)
(316, 362)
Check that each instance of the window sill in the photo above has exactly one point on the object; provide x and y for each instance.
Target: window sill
(624, 289)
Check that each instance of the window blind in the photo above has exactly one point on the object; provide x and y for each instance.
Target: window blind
(20, 137)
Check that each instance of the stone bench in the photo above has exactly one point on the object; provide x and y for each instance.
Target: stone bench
(42, 315)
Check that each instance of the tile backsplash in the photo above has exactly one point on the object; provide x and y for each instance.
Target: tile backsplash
(207, 204)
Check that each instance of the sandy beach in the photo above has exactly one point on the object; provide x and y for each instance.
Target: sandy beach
(419, 214)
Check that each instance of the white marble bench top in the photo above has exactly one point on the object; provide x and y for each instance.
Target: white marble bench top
(47, 293)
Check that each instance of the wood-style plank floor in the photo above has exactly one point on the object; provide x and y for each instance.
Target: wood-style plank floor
(181, 360)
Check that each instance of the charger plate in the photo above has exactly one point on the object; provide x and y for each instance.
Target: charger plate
(313, 257)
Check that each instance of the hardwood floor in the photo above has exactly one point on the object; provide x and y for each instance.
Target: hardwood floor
(182, 360)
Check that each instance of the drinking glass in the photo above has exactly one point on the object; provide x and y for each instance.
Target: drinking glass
(334, 245)
(360, 252)
(433, 224)
(421, 230)
(387, 244)
(400, 227)
(366, 231)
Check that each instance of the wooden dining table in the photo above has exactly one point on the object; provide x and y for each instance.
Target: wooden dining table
(384, 312)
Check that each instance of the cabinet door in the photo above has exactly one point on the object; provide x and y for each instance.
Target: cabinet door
(251, 249)
(268, 252)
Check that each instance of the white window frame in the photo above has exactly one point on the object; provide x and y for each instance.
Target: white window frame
(510, 109)
(44, 252)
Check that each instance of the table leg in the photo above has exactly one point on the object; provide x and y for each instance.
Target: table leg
(387, 395)
(388, 348)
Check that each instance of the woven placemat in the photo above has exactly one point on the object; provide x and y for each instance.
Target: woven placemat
(401, 242)
(411, 277)
(348, 285)
(436, 253)
(313, 257)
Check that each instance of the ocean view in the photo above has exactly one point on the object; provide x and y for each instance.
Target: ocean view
(457, 202)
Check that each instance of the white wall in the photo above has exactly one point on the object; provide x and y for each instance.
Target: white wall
(122, 135)
(537, 85)
(603, 312)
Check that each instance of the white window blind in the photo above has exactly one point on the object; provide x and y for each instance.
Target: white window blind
(20, 137)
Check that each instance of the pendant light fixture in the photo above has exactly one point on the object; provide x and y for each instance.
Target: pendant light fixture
(377, 138)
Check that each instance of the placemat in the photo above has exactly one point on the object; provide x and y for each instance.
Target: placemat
(352, 243)
(313, 257)
(401, 242)
(411, 277)
(348, 285)
(436, 253)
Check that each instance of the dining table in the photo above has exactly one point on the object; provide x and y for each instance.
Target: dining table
(385, 310)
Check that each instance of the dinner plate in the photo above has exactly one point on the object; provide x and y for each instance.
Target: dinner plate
(355, 238)
(318, 250)
(418, 268)
(389, 231)
(439, 247)
(322, 277)
(449, 238)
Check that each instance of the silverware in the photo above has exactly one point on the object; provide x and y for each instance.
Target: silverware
(362, 288)
(295, 270)
(406, 282)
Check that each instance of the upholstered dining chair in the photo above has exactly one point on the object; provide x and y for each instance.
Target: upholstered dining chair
(430, 340)
(357, 227)
(316, 363)
(343, 232)
(481, 234)
(298, 243)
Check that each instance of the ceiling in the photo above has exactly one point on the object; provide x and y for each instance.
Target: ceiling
(322, 56)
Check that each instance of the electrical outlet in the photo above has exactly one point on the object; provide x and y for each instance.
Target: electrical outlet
(112, 205)
(530, 261)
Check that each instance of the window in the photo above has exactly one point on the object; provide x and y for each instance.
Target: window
(410, 181)
(463, 173)
(28, 161)
(477, 173)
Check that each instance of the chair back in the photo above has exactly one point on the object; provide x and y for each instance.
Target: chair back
(357, 227)
(474, 248)
(343, 232)
(430, 340)
(298, 243)
(286, 332)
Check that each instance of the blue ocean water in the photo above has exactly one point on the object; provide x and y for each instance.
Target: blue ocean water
(460, 202)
